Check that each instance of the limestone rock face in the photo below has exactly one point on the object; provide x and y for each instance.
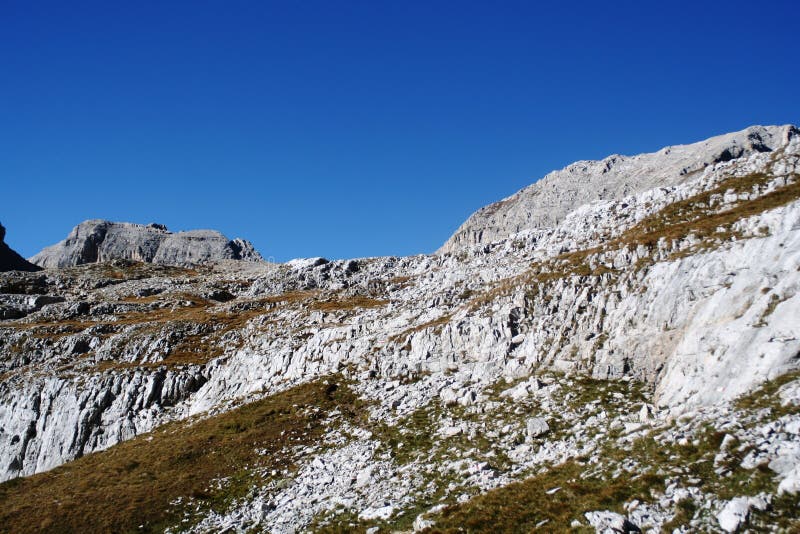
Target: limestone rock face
(98, 240)
(644, 317)
(10, 260)
(545, 203)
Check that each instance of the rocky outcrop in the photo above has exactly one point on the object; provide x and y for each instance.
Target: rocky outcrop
(10, 260)
(97, 241)
(545, 203)
(99, 413)
(642, 317)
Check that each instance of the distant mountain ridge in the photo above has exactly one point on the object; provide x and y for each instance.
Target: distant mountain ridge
(98, 240)
(545, 203)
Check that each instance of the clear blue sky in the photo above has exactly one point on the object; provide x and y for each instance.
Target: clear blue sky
(348, 129)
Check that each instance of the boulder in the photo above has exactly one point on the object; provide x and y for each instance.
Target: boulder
(537, 426)
(610, 522)
(734, 514)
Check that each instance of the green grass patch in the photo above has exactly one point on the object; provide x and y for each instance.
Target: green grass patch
(766, 397)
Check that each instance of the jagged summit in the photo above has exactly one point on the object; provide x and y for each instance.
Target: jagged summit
(9, 259)
(98, 240)
(546, 202)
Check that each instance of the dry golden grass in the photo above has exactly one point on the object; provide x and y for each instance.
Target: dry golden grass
(214, 323)
(133, 483)
(436, 324)
(199, 348)
(291, 297)
(193, 349)
(520, 506)
(135, 299)
(696, 216)
(348, 303)
(134, 270)
(400, 281)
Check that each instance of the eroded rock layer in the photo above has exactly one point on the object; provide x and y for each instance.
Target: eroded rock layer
(633, 365)
(98, 241)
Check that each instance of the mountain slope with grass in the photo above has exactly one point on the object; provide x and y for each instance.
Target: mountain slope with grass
(545, 203)
(631, 366)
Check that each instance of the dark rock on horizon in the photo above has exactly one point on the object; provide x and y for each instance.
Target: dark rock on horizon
(10, 260)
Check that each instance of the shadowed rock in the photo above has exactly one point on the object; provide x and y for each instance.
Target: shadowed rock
(10, 260)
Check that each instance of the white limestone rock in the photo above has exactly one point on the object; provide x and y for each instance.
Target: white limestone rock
(607, 522)
(546, 203)
(736, 512)
(536, 427)
(98, 240)
(443, 335)
(791, 482)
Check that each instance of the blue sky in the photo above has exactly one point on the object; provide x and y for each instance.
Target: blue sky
(348, 129)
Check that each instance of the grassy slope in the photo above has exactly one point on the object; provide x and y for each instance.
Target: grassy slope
(133, 483)
(698, 216)
(519, 507)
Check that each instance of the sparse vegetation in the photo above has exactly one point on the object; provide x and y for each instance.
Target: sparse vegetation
(697, 216)
(208, 462)
(603, 485)
(435, 324)
(349, 303)
(444, 433)
(766, 399)
(526, 505)
(773, 302)
(415, 440)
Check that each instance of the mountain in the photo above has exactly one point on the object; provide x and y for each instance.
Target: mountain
(9, 259)
(98, 240)
(630, 363)
(546, 203)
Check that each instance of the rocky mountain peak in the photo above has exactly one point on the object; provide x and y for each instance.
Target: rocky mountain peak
(98, 240)
(631, 368)
(546, 202)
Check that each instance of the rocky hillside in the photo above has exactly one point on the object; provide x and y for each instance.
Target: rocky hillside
(98, 241)
(10, 260)
(547, 202)
(634, 366)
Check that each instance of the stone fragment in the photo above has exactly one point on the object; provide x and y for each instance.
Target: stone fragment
(734, 514)
(607, 522)
(536, 426)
